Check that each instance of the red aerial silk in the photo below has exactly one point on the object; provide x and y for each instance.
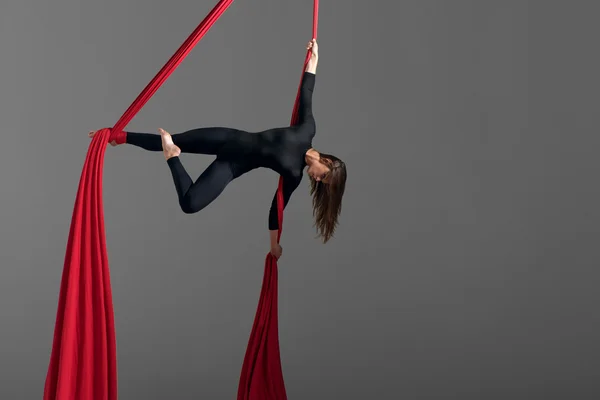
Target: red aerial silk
(262, 377)
(83, 361)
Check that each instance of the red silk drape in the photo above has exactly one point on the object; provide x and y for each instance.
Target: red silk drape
(262, 376)
(83, 359)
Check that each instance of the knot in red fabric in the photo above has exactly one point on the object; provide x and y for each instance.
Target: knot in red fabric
(118, 136)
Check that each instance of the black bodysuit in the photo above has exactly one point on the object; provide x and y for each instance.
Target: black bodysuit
(280, 149)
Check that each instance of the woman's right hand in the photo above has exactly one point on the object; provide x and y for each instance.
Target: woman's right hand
(276, 251)
(91, 134)
(313, 47)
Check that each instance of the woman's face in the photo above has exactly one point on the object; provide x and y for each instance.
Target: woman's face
(318, 171)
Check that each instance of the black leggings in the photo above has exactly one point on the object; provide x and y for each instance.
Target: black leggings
(194, 196)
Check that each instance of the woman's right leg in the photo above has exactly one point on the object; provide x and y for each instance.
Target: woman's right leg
(197, 141)
(194, 196)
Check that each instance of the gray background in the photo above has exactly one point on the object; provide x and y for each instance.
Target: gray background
(465, 265)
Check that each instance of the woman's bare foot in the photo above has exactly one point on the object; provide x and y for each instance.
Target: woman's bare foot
(169, 148)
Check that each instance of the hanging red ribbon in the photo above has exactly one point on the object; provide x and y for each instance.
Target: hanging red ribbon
(83, 362)
(262, 376)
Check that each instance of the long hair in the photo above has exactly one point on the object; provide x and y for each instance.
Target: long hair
(327, 197)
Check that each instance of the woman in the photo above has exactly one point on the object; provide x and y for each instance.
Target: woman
(285, 150)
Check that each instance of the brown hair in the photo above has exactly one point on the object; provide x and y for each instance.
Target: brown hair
(327, 197)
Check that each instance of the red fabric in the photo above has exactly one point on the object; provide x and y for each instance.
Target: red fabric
(83, 361)
(262, 376)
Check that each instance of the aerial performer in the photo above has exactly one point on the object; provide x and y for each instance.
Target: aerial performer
(285, 150)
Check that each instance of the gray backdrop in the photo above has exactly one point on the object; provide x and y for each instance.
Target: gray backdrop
(465, 263)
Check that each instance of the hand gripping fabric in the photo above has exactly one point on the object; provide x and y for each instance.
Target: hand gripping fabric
(262, 377)
(83, 361)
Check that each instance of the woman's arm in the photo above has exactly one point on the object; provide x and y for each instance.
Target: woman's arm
(289, 186)
(273, 237)
(305, 114)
